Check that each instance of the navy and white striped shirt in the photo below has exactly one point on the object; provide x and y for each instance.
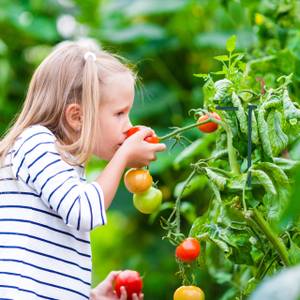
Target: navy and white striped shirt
(46, 212)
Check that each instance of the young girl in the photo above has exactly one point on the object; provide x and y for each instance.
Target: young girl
(78, 104)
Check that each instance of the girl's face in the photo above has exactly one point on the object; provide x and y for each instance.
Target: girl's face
(116, 102)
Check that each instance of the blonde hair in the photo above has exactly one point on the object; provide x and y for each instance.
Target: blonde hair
(66, 76)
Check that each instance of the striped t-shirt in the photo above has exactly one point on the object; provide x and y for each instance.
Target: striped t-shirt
(47, 210)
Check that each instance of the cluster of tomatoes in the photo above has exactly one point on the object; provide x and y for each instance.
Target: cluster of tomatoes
(187, 252)
(146, 198)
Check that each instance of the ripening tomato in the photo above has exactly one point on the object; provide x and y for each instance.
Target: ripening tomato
(150, 139)
(132, 282)
(149, 201)
(132, 130)
(137, 180)
(210, 126)
(188, 250)
(189, 292)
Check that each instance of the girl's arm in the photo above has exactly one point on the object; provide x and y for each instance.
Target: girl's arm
(134, 152)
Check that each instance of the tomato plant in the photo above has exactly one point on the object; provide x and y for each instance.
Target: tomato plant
(188, 250)
(132, 282)
(150, 139)
(210, 126)
(137, 180)
(149, 201)
(248, 174)
(189, 293)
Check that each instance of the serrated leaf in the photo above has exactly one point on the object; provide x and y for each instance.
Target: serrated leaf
(277, 173)
(291, 113)
(221, 88)
(216, 178)
(240, 113)
(264, 180)
(278, 138)
(230, 44)
(222, 245)
(263, 132)
(285, 163)
(237, 182)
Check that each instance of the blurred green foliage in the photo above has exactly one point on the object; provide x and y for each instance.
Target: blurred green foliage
(168, 41)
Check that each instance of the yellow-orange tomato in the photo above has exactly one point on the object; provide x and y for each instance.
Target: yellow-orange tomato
(189, 292)
(137, 180)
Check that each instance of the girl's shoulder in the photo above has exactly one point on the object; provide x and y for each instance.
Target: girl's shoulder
(36, 130)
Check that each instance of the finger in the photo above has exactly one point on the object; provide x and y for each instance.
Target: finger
(145, 132)
(141, 296)
(135, 296)
(112, 276)
(123, 295)
(159, 147)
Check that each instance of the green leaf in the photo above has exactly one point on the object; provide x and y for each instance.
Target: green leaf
(294, 253)
(216, 178)
(278, 138)
(197, 183)
(291, 113)
(263, 131)
(230, 44)
(222, 245)
(237, 182)
(276, 172)
(198, 148)
(201, 75)
(222, 57)
(240, 113)
(285, 163)
(292, 211)
(264, 180)
(221, 88)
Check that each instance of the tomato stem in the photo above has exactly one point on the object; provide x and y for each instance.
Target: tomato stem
(272, 237)
(185, 128)
(178, 200)
(231, 151)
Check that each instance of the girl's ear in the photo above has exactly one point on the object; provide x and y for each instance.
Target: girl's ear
(73, 116)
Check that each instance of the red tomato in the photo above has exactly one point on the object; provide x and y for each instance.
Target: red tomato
(132, 282)
(190, 292)
(210, 126)
(150, 139)
(132, 130)
(188, 250)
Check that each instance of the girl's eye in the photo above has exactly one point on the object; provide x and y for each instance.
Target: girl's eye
(120, 113)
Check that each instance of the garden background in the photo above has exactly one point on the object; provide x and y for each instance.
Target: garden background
(167, 42)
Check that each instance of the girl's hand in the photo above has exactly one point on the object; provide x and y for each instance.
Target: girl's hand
(105, 290)
(138, 153)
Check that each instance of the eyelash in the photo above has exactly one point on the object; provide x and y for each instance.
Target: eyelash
(120, 113)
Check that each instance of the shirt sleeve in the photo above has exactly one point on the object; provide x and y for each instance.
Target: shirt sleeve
(36, 161)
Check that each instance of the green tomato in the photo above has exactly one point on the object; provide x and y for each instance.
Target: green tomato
(148, 201)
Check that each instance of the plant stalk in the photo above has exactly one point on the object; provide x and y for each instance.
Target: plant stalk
(272, 237)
